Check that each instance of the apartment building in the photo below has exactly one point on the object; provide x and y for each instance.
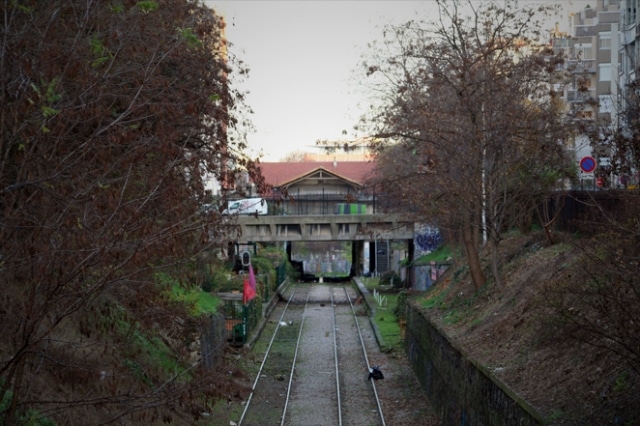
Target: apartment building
(629, 44)
(591, 47)
(602, 47)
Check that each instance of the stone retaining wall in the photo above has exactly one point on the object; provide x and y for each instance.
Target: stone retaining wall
(464, 393)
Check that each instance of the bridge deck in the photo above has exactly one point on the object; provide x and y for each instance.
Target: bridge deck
(365, 227)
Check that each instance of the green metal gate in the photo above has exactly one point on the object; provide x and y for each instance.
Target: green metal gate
(240, 319)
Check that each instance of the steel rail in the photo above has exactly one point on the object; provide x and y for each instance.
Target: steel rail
(366, 358)
(335, 355)
(293, 364)
(266, 355)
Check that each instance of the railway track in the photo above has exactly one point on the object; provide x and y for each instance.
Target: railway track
(315, 368)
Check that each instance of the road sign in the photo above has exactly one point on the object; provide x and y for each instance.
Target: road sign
(587, 164)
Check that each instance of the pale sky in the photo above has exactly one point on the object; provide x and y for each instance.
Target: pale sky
(302, 57)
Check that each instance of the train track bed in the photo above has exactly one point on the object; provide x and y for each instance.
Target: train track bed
(278, 345)
(315, 367)
(358, 406)
(309, 392)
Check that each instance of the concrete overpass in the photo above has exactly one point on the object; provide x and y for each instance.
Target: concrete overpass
(365, 227)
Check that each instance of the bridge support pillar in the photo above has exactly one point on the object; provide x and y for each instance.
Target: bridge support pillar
(373, 254)
(411, 250)
(357, 258)
(288, 250)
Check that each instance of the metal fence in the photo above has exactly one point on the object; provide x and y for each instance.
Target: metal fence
(240, 319)
(233, 323)
(214, 340)
(230, 326)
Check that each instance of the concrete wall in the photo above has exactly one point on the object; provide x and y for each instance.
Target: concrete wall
(463, 392)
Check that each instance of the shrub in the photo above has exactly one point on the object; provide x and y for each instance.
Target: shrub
(207, 283)
(401, 305)
(263, 267)
(391, 278)
(221, 280)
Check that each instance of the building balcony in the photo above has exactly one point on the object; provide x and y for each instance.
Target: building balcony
(609, 17)
(630, 34)
(581, 66)
(585, 30)
(580, 95)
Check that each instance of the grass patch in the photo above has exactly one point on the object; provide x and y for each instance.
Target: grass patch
(152, 351)
(207, 303)
(144, 350)
(441, 254)
(434, 298)
(370, 283)
(197, 301)
(452, 317)
(389, 328)
(385, 319)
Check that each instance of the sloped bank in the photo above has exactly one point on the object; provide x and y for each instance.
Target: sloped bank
(463, 392)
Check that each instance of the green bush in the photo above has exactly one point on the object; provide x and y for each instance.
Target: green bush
(208, 283)
(263, 267)
(221, 280)
(391, 278)
(401, 305)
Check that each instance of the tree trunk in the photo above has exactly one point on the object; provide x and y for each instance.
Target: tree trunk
(473, 257)
(495, 263)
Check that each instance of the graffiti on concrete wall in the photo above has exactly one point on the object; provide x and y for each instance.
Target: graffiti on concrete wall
(427, 239)
(426, 275)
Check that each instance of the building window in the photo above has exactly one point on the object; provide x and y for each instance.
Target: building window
(604, 39)
(583, 51)
(604, 72)
(631, 11)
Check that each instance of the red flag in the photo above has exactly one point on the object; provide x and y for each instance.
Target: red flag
(248, 293)
(252, 278)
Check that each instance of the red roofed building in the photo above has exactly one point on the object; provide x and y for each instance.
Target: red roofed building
(310, 188)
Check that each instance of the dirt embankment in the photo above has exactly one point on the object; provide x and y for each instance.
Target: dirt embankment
(532, 332)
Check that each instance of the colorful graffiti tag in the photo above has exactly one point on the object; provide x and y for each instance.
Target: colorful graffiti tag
(428, 238)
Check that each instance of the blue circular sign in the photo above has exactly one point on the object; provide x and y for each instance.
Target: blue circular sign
(588, 164)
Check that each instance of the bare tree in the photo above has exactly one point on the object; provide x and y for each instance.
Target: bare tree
(471, 98)
(111, 114)
(294, 157)
(596, 297)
